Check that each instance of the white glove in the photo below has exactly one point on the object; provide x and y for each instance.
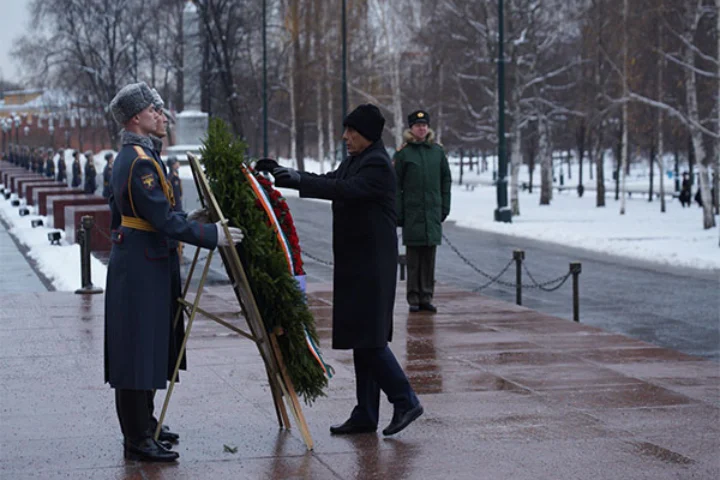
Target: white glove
(199, 215)
(236, 235)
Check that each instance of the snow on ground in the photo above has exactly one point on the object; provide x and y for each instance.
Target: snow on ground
(60, 264)
(675, 237)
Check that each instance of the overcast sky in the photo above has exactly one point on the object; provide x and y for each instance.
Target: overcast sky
(14, 19)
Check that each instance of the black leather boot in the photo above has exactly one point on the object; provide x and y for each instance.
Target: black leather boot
(148, 450)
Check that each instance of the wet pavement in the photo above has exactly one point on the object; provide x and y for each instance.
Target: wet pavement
(17, 274)
(509, 393)
(672, 307)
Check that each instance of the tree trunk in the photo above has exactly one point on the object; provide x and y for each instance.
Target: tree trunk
(624, 146)
(293, 109)
(652, 172)
(516, 160)
(716, 178)
(320, 135)
(660, 135)
(599, 170)
(697, 140)
(546, 173)
(439, 121)
(395, 84)
(580, 138)
(330, 113)
(319, 13)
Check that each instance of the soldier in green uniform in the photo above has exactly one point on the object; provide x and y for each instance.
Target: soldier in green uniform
(423, 203)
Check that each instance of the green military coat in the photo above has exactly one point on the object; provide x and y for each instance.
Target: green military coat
(423, 193)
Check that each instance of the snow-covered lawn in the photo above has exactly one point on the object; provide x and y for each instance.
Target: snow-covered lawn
(60, 264)
(675, 237)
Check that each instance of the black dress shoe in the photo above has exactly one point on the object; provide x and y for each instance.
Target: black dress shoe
(148, 450)
(428, 307)
(349, 428)
(167, 436)
(414, 308)
(402, 420)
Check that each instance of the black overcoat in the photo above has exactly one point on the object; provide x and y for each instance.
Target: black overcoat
(365, 249)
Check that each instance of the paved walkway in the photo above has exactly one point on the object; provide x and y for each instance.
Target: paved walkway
(16, 274)
(509, 394)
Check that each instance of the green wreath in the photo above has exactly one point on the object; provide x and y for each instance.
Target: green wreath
(280, 302)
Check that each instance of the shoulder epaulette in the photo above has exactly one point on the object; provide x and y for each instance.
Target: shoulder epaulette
(141, 153)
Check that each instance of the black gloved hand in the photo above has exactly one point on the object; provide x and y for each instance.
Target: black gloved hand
(286, 177)
(266, 165)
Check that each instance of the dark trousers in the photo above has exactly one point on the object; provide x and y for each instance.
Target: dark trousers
(420, 274)
(135, 412)
(377, 369)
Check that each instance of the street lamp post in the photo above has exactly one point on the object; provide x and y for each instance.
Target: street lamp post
(502, 212)
(17, 130)
(265, 107)
(344, 67)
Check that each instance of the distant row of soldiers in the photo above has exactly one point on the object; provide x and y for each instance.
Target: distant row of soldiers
(45, 162)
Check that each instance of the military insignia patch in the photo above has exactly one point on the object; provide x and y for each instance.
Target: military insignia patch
(148, 181)
(420, 115)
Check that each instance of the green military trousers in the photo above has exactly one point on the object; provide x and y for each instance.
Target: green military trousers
(420, 274)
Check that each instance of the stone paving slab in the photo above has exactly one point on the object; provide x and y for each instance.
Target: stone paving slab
(509, 394)
(16, 274)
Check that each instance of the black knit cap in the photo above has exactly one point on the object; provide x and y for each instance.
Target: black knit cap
(367, 120)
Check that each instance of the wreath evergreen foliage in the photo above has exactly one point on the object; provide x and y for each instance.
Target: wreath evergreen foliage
(279, 300)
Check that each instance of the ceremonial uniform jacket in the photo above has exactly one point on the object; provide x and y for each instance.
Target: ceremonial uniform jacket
(140, 352)
(90, 176)
(50, 168)
(62, 169)
(76, 174)
(107, 173)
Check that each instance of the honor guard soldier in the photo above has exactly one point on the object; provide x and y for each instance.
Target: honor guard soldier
(61, 167)
(49, 164)
(40, 160)
(33, 160)
(90, 173)
(76, 170)
(107, 173)
(140, 351)
(174, 178)
(27, 159)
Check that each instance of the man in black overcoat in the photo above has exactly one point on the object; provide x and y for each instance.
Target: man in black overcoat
(362, 190)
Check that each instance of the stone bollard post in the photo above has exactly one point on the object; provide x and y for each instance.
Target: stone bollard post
(575, 269)
(518, 256)
(87, 224)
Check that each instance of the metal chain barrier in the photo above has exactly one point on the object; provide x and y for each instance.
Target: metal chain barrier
(547, 286)
(494, 279)
(544, 285)
(318, 260)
